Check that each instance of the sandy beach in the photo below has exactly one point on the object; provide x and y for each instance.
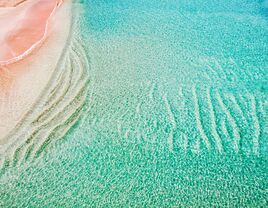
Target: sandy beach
(22, 82)
(10, 3)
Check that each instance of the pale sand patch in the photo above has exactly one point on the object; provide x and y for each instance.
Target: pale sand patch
(10, 3)
(27, 78)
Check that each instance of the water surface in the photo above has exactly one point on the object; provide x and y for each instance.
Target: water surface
(176, 112)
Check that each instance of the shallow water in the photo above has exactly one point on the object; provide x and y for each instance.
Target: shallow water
(176, 111)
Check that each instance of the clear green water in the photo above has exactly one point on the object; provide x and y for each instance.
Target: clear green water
(177, 112)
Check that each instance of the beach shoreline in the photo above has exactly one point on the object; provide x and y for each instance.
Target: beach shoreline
(22, 83)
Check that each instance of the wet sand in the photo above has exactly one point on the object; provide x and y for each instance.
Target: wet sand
(24, 28)
(22, 82)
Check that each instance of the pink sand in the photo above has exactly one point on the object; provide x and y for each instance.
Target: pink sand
(23, 28)
(22, 83)
(10, 3)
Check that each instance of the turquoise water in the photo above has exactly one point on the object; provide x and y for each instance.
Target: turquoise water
(176, 112)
